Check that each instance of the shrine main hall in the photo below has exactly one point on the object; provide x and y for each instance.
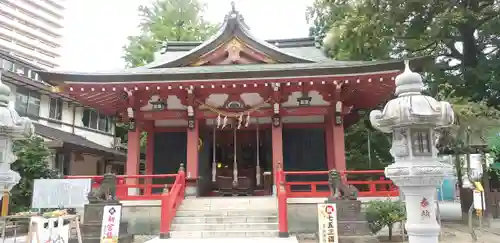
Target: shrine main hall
(235, 108)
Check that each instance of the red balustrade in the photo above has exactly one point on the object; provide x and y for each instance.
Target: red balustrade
(170, 202)
(142, 188)
(367, 188)
(282, 204)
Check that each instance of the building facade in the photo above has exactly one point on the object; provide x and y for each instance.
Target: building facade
(234, 109)
(83, 139)
(32, 30)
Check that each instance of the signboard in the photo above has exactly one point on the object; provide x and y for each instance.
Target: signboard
(60, 193)
(110, 230)
(327, 222)
(478, 199)
(50, 230)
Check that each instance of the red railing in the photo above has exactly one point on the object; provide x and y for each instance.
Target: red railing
(141, 185)
(282, 203)
(170, 202)
(368, 188)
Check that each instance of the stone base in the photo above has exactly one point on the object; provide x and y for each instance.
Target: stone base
(92, 224)
(352, 225)
(358, 239)
(191, 188)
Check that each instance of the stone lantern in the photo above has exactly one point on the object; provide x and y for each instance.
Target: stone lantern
(412, 118)
(12, 127)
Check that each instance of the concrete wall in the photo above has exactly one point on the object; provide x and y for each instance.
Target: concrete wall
(143, 217)
(87, 166)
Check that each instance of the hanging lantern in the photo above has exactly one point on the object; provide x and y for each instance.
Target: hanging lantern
(131, 124)
(191, 122)
(276, 121)
(191, 118)
(338, 113)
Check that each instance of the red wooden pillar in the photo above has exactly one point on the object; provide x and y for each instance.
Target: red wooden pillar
(277, 146)
(192, 160)
(338, 145)
(133, 157)
(329, 143)
(150, 150)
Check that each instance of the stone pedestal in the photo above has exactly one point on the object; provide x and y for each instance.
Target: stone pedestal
(352, 225)
(92, 224)
(191, 188)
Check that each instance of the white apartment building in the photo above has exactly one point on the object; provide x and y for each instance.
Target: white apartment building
(83, 140)
(32, 30)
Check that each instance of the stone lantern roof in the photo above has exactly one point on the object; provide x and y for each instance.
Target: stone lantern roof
(411, 107)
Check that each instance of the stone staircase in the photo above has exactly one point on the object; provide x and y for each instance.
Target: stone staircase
(219, 217)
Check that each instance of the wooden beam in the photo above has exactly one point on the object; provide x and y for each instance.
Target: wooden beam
(206, 114)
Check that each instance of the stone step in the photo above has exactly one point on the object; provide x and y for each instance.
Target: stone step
(223, 227)
(128, 238)
(231, 201)
(224, 219)
(226, 207)
(223, 234)
(196, 213)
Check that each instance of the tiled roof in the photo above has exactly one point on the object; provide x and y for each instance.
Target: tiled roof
(79, 141)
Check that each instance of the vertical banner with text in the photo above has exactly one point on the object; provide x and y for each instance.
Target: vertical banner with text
(327, 223)
(111, 217)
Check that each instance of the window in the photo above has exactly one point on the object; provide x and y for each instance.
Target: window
(33, 75)
(8, 65)
(27, 102)
(61, 164)
(21, 70)
(421, 144)
(92, 119)
(55, 109)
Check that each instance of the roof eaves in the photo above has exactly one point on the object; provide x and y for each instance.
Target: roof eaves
(233, 71)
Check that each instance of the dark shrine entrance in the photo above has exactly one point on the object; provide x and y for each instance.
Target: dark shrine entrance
(241, 162)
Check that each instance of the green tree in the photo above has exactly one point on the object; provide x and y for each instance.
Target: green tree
(366, 148)
(31, 164)
(463, 35)
(166, 20)
(380, 214)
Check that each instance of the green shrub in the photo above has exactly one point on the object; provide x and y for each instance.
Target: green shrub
(384, 213)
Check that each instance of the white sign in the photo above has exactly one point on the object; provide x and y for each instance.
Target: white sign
(479, 200)
(60, 193)
(327, 223)
(50, 230)
(110, 230)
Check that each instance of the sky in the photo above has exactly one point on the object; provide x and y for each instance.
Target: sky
(96, 30)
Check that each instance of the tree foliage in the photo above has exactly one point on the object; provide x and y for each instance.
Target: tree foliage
(31, 164)
(463, 35)
(380, 214)
(162, 21)
(366, 148)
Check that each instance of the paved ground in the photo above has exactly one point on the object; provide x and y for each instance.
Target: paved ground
(451, 233)
(227, 240)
